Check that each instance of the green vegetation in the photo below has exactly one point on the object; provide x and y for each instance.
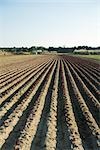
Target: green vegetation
(95, 57)
(82, 50)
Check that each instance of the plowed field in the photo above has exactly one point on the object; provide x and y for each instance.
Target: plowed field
(49, 102)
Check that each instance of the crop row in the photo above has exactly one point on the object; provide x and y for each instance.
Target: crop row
(50, 103)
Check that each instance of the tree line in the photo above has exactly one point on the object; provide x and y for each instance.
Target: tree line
(49, 49)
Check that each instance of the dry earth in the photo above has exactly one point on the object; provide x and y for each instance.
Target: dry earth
(49, 102)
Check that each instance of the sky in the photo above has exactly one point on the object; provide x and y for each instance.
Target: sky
(49, 23)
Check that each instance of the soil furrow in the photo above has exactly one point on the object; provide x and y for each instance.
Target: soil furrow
(28, 133)
(49, 102)
(89, 120)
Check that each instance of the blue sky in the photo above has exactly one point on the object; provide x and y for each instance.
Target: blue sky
(49, 23)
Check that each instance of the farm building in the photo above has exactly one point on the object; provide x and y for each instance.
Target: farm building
(37, 52)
